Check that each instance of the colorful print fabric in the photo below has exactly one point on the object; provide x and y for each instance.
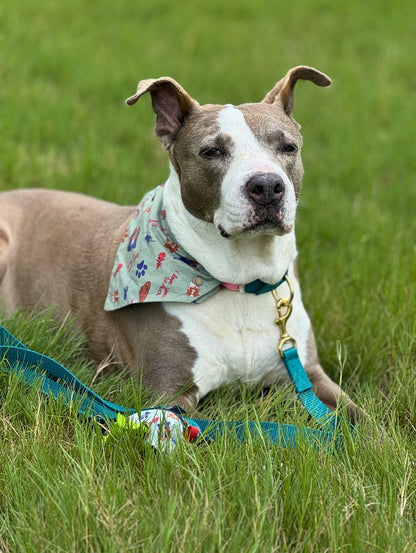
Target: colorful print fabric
(166, 428)
(150, 266)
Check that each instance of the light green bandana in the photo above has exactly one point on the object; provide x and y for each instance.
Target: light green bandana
(150, 267)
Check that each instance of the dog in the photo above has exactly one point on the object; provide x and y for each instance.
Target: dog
(164, 288)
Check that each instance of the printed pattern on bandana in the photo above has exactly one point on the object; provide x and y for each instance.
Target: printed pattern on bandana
(150, 267)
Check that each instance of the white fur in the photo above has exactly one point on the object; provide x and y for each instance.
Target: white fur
(234, 333)
(235, 337)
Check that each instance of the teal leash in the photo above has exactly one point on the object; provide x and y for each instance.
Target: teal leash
(286, 435)
(57, 381)
(54, 379)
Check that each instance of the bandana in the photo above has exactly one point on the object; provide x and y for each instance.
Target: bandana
(150, 267)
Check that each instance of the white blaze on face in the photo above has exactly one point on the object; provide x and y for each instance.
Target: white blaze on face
(248, 158)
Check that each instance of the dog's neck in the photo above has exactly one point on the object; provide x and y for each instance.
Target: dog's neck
(236, 260)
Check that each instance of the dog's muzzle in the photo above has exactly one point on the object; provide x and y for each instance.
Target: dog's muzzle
(265, 193)
(265, 207)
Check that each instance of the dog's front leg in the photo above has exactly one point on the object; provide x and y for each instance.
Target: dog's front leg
(150, 343)
(326, 389)
(332, 395)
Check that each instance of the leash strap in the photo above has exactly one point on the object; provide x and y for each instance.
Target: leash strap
(284, 435)
(303, 387)
(57, 381)
(54, 378)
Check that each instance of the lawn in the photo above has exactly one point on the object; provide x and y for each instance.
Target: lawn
(65, 71)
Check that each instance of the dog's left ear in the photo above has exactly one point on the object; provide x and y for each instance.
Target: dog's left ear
(171, 103)
(283, 90)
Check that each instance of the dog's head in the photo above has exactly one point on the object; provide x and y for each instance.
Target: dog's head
(239, 167)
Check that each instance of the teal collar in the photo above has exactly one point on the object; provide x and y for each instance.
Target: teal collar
(256, 287)
(259, 287)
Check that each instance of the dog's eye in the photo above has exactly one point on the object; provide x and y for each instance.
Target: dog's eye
(211, 152)
(289, 149)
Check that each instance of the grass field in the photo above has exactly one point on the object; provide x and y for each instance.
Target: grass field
(65, 70)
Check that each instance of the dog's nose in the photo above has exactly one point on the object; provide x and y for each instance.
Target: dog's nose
(265, 188)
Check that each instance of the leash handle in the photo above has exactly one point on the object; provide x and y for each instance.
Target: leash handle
(7, 339)
(56, 380)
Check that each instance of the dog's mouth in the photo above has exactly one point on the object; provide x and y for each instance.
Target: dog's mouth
(223, 232)
(268, 225)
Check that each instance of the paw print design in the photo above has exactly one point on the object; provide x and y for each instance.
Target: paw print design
(141, 269)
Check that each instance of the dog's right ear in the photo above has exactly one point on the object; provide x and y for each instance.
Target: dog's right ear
(282, 92)
(171, 103)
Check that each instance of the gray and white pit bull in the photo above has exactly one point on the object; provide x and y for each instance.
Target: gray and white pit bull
(227, 214)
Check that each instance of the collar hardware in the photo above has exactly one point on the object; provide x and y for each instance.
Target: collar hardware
(284, 307)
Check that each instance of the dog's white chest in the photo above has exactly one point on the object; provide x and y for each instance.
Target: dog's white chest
(235, 338)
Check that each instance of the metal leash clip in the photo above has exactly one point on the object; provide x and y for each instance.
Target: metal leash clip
(284, 308)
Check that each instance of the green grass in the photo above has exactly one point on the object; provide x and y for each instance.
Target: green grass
(65, 70)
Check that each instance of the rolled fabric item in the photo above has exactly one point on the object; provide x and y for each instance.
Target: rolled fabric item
(166, 428)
